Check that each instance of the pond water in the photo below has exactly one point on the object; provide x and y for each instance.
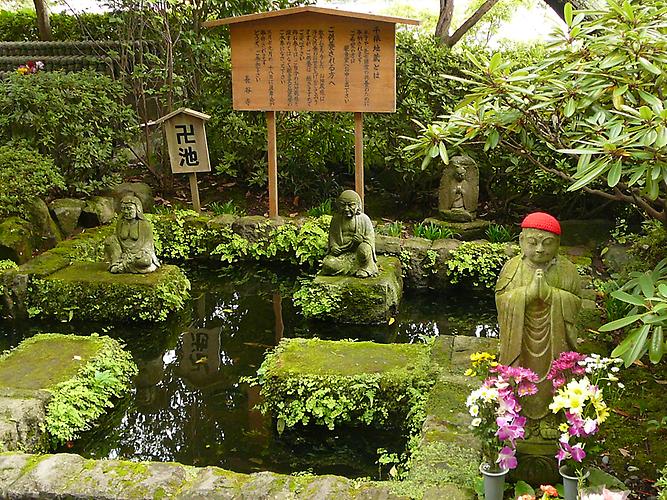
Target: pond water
(189, 405)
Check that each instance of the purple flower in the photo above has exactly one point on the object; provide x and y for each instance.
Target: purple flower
(577, 452)
(506, 458)
(526, 388)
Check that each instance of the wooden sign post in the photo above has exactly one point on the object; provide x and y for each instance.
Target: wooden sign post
(313, 59)
(188, 149)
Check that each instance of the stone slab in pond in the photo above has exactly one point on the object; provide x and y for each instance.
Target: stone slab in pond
(87, 291)
(352, 300)
(332, 383)
(50, 387)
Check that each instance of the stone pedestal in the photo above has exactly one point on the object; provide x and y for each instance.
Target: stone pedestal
(361, 301)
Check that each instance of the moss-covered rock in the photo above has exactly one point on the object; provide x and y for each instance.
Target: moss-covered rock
(97, 211)
(66, 212)
(45, 232)
(139, 189)
(352, 300)
(342, 382)
(59, 384)
(466, 231)
(87, 291)
(15, 240)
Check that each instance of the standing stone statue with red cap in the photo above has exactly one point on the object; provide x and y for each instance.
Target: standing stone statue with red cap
(538, 300)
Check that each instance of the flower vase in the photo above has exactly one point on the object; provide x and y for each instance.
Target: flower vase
(494, 482)
(571, 482)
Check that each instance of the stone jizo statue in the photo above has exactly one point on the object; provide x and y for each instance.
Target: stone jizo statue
(538, 300)
(351, 240)
(459, 190)
(131, 249)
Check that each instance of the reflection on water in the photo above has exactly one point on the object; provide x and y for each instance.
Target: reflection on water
(189, 405)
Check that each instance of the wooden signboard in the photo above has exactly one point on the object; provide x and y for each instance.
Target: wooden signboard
(188, 149)
(322, 63)
(313, 59)
(186, 138)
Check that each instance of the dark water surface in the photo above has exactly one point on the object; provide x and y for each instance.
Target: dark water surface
(189, 405)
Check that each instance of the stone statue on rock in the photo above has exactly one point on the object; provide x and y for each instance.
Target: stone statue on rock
(351, 240)
(131, 248)
(459, 190)
(538, 300)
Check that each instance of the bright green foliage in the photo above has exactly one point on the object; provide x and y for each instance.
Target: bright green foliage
(476, 263)
(597, 96)
(661, 484)
(331, 383)
(394, 229)
(183, 234)
(228, 207)
(497, 233)
(649, 249)
(315, 300)
(24, 175)
(7, 264)
(19, 26)
(78, 119)
(79, 401)
(432, 231)
(646, 292)
(302, 245)
(323, 208)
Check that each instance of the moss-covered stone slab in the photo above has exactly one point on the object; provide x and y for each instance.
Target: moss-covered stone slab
(15, 240)
(54, 386)
(344, 382)
(88, 291)
(352, 300)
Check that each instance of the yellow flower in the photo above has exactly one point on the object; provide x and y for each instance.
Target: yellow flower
(23, 70)
(470, 373)
(563, 427)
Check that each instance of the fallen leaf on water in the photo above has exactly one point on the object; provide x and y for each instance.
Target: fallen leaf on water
(392, 320)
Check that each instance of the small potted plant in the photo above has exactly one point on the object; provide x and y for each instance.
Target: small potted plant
(581, 384)
(497, 420)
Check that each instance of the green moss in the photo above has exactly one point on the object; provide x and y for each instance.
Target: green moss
(78, 401)
(43, 361)
(332, 383)
(88, 291)
(347, 299)
(307, 357)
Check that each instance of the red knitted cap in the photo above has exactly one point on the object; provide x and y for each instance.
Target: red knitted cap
(543, 221)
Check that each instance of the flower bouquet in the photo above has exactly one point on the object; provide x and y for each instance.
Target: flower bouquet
(30, 67)
(581, 401)
(496, 410)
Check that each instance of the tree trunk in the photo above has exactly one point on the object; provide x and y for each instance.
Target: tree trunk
(558, 6)
(471, 21)
(43, 23)
(445, 21)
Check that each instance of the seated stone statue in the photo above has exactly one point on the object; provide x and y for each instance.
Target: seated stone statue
(459, 190)
(130, 249)
(538, 300)
(351, 240)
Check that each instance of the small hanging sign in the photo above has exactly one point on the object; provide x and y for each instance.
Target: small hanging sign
(188, 149)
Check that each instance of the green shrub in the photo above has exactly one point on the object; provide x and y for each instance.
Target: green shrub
(478, 263)
(78, 119)
(24, 175)
(21, 26)
(497, 233)
(390, 228)
(226, 208)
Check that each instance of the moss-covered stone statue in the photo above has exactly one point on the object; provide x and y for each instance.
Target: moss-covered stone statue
(459, 190)
(351, 240)
(538, 300)
(131, 249)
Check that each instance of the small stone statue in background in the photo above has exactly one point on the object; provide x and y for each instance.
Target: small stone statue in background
(459, 190)
(351, 240)
(538, 300)
(130, 249)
